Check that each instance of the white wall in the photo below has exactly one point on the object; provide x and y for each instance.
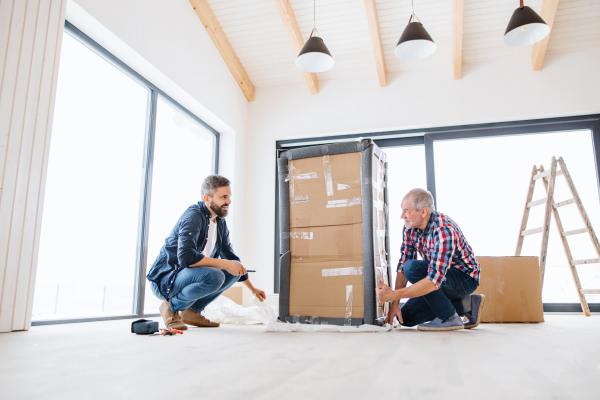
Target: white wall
(165, 42)
(488, 92)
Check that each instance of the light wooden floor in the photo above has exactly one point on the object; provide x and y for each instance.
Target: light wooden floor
(559, 359)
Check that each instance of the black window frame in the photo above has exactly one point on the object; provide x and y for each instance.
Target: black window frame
(148, 164)
(429, 136)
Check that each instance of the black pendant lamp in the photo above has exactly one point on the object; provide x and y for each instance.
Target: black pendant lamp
(314, 56)
(525, 27)
(415, 42)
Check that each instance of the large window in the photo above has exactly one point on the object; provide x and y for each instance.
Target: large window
(482, 184)
(406, 171)
(479, 176)
(125, 161)
(183, 156)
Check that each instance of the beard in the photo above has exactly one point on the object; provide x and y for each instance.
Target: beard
(221, 213)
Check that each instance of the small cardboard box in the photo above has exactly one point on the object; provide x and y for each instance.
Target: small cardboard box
(327, 243)
(324, 289)
(512, 289)
(325, 190)
(235, 293)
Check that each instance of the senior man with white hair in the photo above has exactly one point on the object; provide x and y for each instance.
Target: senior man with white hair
(443, 282)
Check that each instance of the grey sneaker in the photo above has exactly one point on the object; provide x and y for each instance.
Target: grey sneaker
(451, 324)
(474, 316)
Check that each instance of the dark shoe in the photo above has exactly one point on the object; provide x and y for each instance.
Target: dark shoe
(451, 324)
(474, 316)
(191, 317)
(172, 318)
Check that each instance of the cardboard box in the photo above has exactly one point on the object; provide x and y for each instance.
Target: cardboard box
(512, 289)
(325, 190)
(321, 288)
(235, 293)
(327, 243)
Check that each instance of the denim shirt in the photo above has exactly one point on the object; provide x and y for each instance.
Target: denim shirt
(185, 244)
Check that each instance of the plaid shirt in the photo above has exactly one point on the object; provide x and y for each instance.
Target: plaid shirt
(443, 244)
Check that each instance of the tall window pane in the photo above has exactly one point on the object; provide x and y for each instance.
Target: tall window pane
(183, 157)
(406, 171)
(87, 257)
(482, 184)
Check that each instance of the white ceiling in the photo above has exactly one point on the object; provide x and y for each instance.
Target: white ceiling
(260, 41)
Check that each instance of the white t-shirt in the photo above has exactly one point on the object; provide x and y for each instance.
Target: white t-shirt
(210, 239)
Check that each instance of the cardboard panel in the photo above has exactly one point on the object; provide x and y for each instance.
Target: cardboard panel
(312, 294)
(327, 243)
(512, 289)
(235, 293)
(325, 190)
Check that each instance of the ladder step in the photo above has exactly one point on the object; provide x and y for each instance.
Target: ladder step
(575, 232)
(564, 203)
(537, 202)
(589, 291)
(532, 231)
(590, 261)
(545, 174)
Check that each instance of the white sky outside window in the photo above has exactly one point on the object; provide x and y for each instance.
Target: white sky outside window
(183, 157)
(482, 184)
(87, 256)
(406, 171)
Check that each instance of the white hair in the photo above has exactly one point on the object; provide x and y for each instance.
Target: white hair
(421, 198)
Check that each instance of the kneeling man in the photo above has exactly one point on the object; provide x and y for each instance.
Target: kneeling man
(443, 282)
(196, 263)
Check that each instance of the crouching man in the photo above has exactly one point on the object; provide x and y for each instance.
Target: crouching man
(443, 282)
(196, 263)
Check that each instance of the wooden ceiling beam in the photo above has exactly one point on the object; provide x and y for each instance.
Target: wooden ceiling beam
(291, 26)
(376, 41)
(457, 37)
(212, 26)
(549, 8)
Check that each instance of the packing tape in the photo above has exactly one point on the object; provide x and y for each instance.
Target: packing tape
(378, 205)
(348, 315)
(344, 203)
(291, 177)
(297, 235)
(328, 180)
(342, 271)
(309, 175)
(348, 185)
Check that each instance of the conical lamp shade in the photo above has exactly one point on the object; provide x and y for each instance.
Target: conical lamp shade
(314, 56)
(524, 28)
(415, 43)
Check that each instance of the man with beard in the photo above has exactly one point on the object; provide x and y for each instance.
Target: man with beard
(196, 263)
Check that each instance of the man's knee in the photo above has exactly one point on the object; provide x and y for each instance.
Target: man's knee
(214, 279)
(415, 270)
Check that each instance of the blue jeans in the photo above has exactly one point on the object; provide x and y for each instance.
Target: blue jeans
(441, 303)
(197, 287)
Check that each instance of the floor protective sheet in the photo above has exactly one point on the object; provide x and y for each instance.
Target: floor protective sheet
(226, 311)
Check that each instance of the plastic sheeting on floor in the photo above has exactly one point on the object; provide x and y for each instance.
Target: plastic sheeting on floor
(225, 311)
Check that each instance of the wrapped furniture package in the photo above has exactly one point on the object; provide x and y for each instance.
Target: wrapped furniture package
(334, 239)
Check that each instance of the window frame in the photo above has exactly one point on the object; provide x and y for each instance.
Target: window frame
(429, 136)
(148, 164)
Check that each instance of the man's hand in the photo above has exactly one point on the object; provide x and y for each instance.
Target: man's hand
(384, 292)
(233, 267)
(394, 312)
(260, 294)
